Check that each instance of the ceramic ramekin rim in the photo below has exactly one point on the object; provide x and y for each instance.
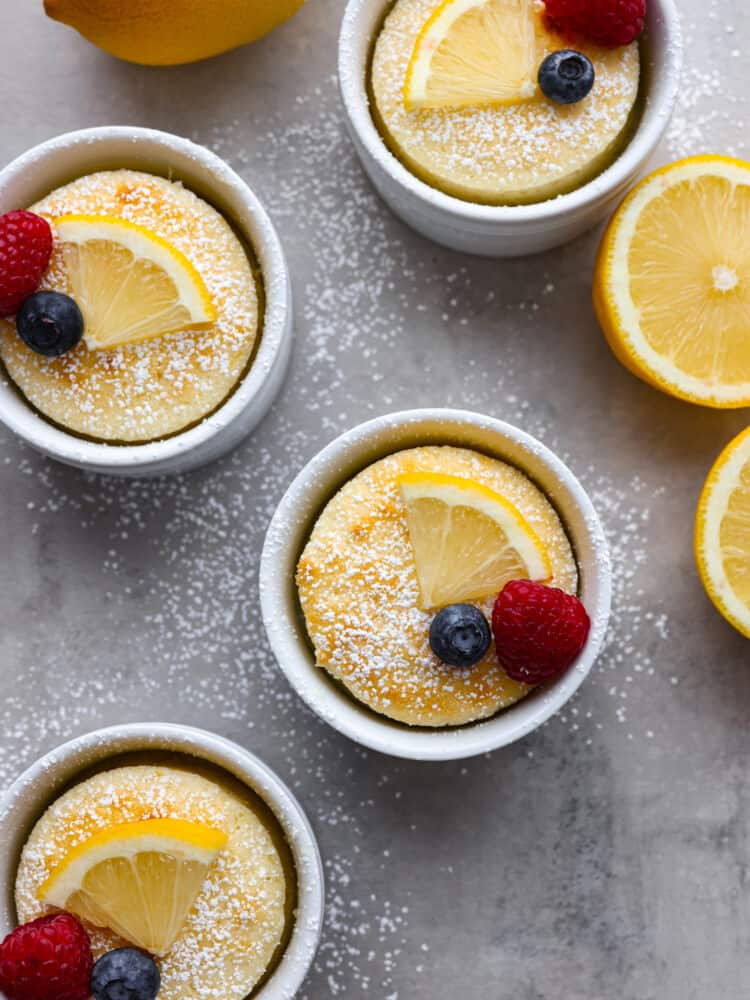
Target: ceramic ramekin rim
(293, 652)
(265, 241)
(295, 963)
(652, 126)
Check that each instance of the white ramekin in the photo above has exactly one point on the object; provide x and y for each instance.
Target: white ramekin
(504, 231)
(36, 789)
(62, 159)
(306, 498)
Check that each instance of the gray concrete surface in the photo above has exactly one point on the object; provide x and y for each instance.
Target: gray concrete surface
(605, 856)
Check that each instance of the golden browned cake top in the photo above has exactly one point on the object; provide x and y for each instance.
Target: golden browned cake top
(238, 920)
(358, 589)
(516, 154)
(149, 390)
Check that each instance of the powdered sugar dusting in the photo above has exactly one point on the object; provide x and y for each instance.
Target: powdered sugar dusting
(360, 597)
(512, 154)
(238, 918)
(151, 389)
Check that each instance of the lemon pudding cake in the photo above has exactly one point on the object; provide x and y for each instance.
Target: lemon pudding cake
(172, 862)
(147, 315)
(472, 97)
(398, 579)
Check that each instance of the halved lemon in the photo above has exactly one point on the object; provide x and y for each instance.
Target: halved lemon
(473, 53)
(672, 281)
(468, 541)
(722, 533)
(130, 284)
(138, 879)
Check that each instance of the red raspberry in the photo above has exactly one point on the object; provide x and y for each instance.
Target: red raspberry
(48, 959)
(25, 250)
(539, 631)
(607, 22)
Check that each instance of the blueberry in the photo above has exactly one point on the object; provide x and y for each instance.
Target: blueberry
(50, 323)
(566, 77)
(125, 974)
(460, 635)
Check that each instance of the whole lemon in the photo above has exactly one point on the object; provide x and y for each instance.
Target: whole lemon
(170, 32)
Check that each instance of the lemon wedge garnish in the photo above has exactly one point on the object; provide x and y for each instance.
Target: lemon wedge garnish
(722, 534)
(473, 53)
(672, 281)
(138, 879)
(468, 541)
(130, 284)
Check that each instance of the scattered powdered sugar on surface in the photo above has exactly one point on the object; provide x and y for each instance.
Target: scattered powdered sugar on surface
(146, 601)
(705, 104)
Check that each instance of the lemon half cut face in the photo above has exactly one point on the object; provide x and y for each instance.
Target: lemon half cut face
(722, 534)
(672, 281)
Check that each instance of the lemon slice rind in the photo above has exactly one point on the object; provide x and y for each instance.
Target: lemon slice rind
(722, 483)
(618, 313)
(455, 492)
(192, 303)
(484, 84)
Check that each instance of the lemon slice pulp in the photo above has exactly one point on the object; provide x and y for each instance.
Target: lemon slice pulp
(468, 541)
(130, 284)
(138, 879)
(722, 534)
(672, 281)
